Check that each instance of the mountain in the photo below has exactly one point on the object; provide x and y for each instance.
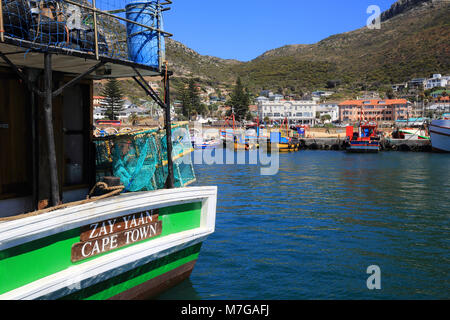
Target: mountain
(185, 62)
(413, 41)
(402, 6)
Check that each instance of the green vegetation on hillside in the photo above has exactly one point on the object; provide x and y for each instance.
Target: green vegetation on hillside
(412, 44)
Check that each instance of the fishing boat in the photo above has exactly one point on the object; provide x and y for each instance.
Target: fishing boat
(281, 143)
(112, 216)
(414, 134)
(366, 139)
(243, 143)
(440, 134)
(209, 144)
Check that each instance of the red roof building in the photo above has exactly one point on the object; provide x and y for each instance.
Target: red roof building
(374, 110)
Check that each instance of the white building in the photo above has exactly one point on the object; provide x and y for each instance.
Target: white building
(330, 108)
(297, 112)
(321, 94)
(437, 81)
(131, 109)
(99, 113)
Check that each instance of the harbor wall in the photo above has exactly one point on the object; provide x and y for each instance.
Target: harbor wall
(338, 144)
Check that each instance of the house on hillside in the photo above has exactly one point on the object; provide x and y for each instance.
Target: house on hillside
(417, 83)
(399, 86)
(437, 81)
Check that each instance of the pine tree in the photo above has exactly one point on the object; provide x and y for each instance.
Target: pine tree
(190, 99)
(113, 98)
(240, 100)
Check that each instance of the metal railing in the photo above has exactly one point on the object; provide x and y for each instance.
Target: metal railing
(48, 22)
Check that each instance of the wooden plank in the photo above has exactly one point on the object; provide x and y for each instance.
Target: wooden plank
(107, 227)
(112, 234)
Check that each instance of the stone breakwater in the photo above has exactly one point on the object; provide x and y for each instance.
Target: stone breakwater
(337, 144)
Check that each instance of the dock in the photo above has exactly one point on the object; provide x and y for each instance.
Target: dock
(339, 144)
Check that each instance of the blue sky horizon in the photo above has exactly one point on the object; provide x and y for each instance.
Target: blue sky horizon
(245, 29)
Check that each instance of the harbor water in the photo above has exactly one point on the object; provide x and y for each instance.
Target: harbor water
(312, 230)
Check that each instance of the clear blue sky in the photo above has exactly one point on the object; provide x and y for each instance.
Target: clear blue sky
(244, 29)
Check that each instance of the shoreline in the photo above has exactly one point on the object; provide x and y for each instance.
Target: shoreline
(339, 144)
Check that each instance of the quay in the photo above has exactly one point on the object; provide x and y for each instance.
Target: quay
(339, 144)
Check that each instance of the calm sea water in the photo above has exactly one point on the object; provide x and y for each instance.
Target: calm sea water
(312, 231)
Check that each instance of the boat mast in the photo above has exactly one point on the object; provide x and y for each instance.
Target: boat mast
(170, 182)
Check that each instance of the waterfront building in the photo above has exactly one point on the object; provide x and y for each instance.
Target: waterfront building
(330, 108)
(374, 110)
(297, 112)
(440, 105)
(261, 99)
(98, 101)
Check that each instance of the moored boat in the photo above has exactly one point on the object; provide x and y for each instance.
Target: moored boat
(92, 216)
(365, 139)
(130, 246)
(414, 134)
(281, 143)
(209, 144)
(440, 135)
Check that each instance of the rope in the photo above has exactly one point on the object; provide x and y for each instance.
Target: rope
(104, 186)
(113, 191)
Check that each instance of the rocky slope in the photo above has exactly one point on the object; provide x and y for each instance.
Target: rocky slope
(413, 42)
(402, 6)
(185, 62)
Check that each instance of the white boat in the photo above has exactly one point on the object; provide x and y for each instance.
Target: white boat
(83, 217)
(65, 267)
(440, 135)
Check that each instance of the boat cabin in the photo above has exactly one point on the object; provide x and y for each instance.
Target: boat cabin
(24, 165)
(47, 155)
(367, 131)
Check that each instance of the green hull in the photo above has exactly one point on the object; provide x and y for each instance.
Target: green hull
(144, 282)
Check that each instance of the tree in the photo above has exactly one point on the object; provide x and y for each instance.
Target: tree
(113, 99)
(333, 84)
(390, 93)
(240, 100)
(190, 99)
(325, 117)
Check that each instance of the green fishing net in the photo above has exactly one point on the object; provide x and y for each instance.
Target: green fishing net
(139, 159)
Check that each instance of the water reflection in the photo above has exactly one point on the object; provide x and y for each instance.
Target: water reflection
(311, 231)
(183, 291)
